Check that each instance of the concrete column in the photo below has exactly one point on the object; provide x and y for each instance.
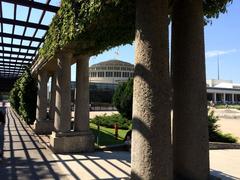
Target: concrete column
(151, 135)
(233, 99)
(63, 140)
(63, 93)
(224, 98)
(82, 94)
(41, 111)
(214, 98)
(42, 125)
(52, 98)
(190, 124)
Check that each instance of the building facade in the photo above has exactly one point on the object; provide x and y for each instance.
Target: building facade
(223, 92)
(111, 72)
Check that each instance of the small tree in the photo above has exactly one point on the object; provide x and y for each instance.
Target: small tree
(123, 97)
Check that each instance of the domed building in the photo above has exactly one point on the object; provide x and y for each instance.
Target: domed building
(111, 72)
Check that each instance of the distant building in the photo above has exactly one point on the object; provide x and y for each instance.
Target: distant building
(223, 91)
(111, 72)
(103, 80)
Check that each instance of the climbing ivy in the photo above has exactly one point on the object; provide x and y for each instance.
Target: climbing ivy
(23, 97)
(90, 26)
(93, 26)
(212, 8)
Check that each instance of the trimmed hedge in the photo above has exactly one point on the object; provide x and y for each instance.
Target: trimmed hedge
(23, 97)
(110, 121)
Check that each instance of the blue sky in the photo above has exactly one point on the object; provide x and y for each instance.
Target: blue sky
(222, 39)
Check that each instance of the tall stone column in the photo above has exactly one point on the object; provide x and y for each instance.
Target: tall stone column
(215, 98)
(83, 136)
(63, 93)
(62, 139)
(42, 125)
(82, 94)
(52, 98)
(190, 124)
(224, 98)
(41, 111)
(151, 135)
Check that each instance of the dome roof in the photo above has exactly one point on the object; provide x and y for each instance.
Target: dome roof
(112, 63)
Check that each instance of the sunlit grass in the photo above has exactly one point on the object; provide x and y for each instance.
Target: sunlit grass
(106, 136)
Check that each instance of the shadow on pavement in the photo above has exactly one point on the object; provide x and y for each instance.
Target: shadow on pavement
(23, 157)
(221, 175)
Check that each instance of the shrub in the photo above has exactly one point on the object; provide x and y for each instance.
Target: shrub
(14, 98)
(215, 135)
(110, 121)
(123, 98)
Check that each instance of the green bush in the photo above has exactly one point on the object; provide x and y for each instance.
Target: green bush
(23, 97)
(215, 135)
(123, 98)
(14, 98)
(110, 121)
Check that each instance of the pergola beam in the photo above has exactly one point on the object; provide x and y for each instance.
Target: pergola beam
(14, 36)
(18, 53)
(34, 4)
(17, 59)
(18, 46)
(23, 23)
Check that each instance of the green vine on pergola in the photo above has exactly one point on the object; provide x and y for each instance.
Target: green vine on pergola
(93, 26)
(90, 27)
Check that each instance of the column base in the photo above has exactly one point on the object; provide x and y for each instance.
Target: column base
(72, 142)
(43, 127)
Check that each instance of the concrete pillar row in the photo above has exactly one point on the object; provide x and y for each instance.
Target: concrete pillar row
(42, 125)
(63, 140)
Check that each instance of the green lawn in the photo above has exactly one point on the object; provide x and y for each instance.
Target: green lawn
(223, 106)
(107, 135)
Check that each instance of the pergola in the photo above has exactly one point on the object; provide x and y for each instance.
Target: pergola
(23, 26)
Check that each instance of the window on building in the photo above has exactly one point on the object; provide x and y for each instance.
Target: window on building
(116, 68)
(109, 74)
(100, 74)
(117, 74)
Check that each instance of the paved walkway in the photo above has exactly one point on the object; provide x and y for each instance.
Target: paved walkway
(229, 121)
(25, 158)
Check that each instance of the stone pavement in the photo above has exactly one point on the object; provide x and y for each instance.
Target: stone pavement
(229, 121)
(25, 158)
(225, 163)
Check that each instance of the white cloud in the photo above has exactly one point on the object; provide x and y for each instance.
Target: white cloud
(215, 53)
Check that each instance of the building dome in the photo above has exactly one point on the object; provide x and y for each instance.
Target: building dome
(112, 63)
(112, 71)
